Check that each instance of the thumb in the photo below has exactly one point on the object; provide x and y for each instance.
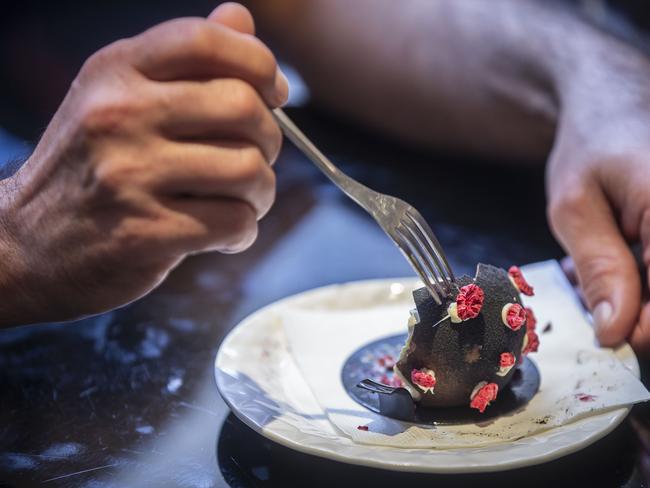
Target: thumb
(235, 16)
(583, 222)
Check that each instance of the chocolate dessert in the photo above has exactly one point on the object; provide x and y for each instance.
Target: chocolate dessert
(465, 351)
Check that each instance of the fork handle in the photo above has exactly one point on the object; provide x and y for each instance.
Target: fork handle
(350, 186)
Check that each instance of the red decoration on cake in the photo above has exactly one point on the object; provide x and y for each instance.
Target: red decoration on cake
(531, 320)
(424, 378)
(513, 315)
(469, 301)
(506, 363)
(531, 342)
(507, 360)
(519, 281)
(482, 398)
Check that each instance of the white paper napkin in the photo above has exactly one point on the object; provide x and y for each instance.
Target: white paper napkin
(570, 364)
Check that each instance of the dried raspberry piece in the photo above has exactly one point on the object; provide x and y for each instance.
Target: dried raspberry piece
(531, 320)
(507, 360)
(424, 378)
(519, 281)
(469, 301)
(531, 342)
(585, 397)
(506, 363)
(483, 394)
(387, 361)
(362, 427)
(513, 315)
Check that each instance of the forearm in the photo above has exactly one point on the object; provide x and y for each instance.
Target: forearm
(481, 76)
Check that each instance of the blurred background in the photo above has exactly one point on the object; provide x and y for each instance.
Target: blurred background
(44, 43)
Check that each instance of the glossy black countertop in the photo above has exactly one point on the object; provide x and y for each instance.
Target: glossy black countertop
(129, 398)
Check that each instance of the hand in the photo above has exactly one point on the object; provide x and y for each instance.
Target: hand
(161, 148)
(598, 181)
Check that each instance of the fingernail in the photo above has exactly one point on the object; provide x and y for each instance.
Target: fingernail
(282, 87)
(602, 314)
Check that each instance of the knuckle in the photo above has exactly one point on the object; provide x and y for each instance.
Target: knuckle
(256, 180)
(265, 65)
(105, 56)
(96, 60)
(199, 34)
(567, 206)
(250, 168)
(109, 113)
(102, 119)
(245, 102)
(114, 177)
(595, 275)
(243, 227)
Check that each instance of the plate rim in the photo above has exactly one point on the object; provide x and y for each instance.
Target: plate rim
(614, 417)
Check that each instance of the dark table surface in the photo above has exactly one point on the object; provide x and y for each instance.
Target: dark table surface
(129, 398)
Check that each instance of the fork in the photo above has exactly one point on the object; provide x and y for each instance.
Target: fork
(399, 220)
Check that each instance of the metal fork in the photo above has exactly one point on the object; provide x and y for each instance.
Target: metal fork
(403, 223)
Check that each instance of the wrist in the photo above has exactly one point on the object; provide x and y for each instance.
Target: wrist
(18, 306)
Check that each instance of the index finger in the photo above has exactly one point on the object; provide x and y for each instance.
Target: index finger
(196, 49)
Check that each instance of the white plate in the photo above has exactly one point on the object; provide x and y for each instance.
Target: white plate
(258, 379)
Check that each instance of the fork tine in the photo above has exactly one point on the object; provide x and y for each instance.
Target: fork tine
(426, 230)
(417, 246)
(418, 269)
(406, 246)
(375, 387)
(430, 254)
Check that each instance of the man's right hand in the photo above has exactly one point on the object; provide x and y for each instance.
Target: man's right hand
(161, 148)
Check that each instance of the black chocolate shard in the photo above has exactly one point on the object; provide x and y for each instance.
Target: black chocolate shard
(396, 403)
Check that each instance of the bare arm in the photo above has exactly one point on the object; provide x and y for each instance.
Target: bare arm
(481, 76)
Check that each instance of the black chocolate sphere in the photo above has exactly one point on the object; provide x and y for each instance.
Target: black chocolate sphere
(464, 354)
